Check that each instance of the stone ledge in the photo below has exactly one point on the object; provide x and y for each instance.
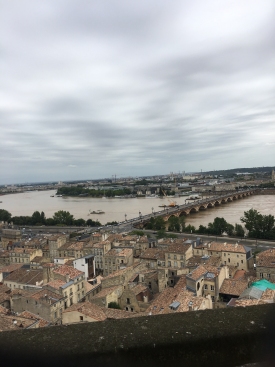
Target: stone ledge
(223, 337)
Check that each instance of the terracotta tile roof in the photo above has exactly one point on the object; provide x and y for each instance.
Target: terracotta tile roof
(178, 248)
(193, 261)
(233, 287)
(37, 259)
(266, 259)
(64, 246)
(77, 246)
(68, 270)
(104, 292)
(248, 302)
(29, 315)
(112, 313)
(24, 276)
(153, 254)
(10, 268)
(268, 295)
(119, 252)
(56, 283)
(240, 274)
(46, 295)
(13, 322)
(88, 309)
(197, 273)
(266, 253)
(89, 287)
(179, 293)
(227, 247)
(138, 289)
(100, 244)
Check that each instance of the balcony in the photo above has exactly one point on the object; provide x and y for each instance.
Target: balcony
(225, 337)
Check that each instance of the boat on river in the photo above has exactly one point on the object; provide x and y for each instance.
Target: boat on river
(96, 212)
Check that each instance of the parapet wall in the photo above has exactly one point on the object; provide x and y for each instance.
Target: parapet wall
(224, 337)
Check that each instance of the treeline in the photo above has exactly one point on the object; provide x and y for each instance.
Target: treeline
(61, 217)
(256, 224)
(82, 191)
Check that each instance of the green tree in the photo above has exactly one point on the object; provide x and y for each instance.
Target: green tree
(5, 215)
(229, 229)
(173, 224)
(93, 223)
(190, 229)
(63, 217)
(251, 219)
(238, 230)
(218, 226)
(114, 305)
(79, 222)
(38, 218)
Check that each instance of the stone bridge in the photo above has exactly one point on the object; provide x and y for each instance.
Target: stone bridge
(195, 206)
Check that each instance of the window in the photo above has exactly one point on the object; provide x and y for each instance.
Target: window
(224, 254)
(126, 308)
(55, 315)
(81, 318)
(261, 275)
(212, 288)
(175, 257)
(169, 263)
(128, 301)
(242, 261)
(132, 310)
(228, 260)
(182, 264)
(268, 276)
(169, 256)
(205, 286)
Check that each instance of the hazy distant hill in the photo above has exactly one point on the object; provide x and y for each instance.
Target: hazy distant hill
(240, 170)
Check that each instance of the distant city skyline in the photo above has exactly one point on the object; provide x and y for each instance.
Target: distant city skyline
(93, 89)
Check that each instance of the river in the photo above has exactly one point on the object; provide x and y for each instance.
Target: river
(115, 208)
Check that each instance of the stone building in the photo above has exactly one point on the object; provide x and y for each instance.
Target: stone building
(99, 250)
(21, 255)
(55, 242)
(207, 280)
(135, 299)
(66, 280)
(236, 254)
(265, 265)
(9, 236)
(44, 303)
(24, 279)
(117, 258)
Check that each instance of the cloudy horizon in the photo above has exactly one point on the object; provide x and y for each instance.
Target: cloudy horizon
(93, 89)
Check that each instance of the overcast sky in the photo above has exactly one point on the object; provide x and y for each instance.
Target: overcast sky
(89, 89)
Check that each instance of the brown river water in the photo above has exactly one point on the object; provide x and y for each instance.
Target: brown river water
(115, 208)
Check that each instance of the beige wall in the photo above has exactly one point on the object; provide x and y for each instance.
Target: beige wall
(75, 316)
